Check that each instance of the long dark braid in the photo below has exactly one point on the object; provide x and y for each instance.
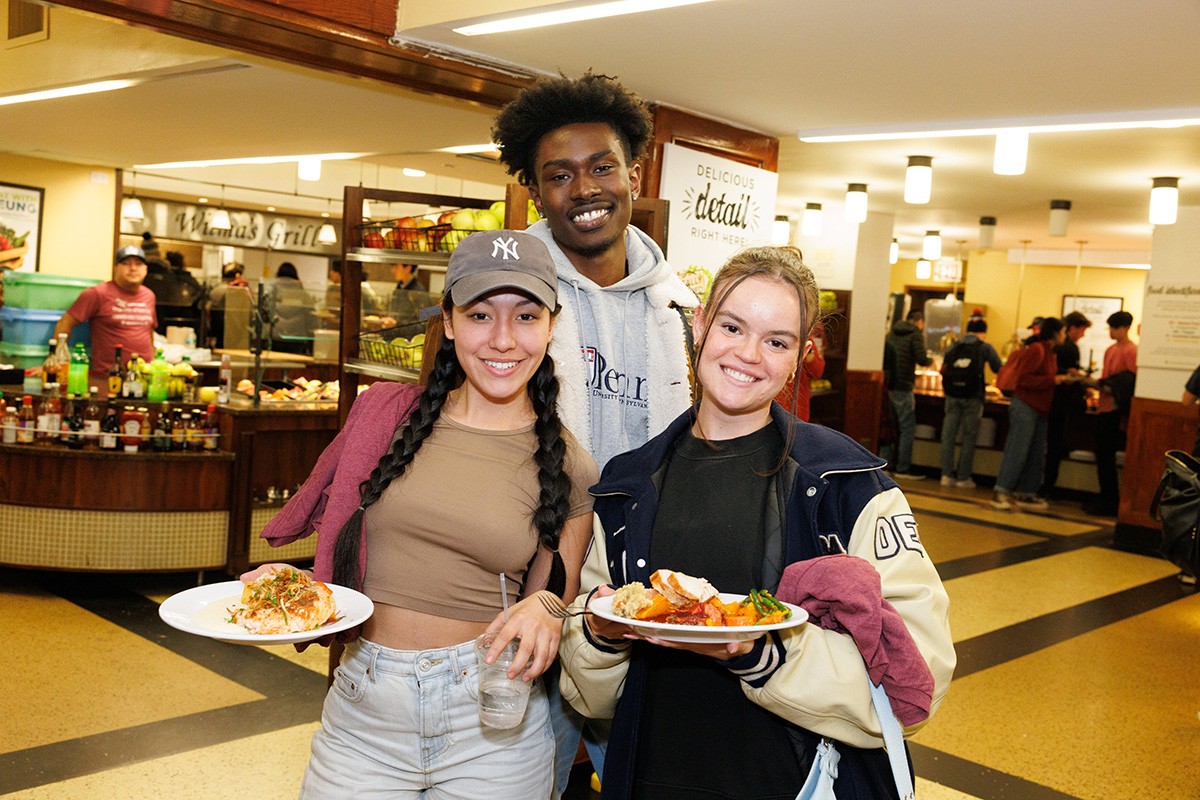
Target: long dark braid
(446, 375)
(555, 496)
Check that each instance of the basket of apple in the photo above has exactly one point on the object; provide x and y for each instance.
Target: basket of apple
(401, 346)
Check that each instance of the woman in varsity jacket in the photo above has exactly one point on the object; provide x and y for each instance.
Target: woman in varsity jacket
(734, 491)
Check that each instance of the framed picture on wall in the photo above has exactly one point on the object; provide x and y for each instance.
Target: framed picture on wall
(20, 226)
(1095, 340)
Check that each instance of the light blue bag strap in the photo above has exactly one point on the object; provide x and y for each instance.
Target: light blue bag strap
(893, 740)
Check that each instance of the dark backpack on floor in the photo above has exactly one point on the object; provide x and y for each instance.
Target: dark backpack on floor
(962, 370)
(1176, 504)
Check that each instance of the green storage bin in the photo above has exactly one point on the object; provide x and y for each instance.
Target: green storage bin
(23, 356)
(43, 292)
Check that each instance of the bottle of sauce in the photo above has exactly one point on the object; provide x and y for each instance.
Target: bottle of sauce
(145, 442)
(93, 414)
(178, 433)
(189, 380)
(50, 365)
(131, 429)
(62, 354)
(191, 432)
(8, 425)
(110, 429)
(116, 376)
(133, 387)
(162, 430)
(73, 425)
(210, 428)
(26, 421)
(49, 416)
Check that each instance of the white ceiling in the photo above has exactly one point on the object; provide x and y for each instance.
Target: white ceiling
(775, 66)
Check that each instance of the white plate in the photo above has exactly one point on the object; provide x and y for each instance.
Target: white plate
(204, 612)
(698, 634)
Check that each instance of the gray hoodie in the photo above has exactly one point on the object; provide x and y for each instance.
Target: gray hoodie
(619, 351)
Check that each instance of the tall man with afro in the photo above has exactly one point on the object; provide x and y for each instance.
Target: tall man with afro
(620, 345)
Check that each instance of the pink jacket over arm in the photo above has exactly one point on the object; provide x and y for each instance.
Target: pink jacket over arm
(330, 494)
(843, 593)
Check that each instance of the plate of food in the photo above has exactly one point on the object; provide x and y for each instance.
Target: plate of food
(681, 608)
(281, 607)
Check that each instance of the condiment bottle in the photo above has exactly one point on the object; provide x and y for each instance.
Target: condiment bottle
(131, 429)
(93, 414)
(27, 421)
(210, 428)
(9, 425)
(110, 429)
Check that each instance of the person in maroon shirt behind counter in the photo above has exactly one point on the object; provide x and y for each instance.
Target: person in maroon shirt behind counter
(121, 312)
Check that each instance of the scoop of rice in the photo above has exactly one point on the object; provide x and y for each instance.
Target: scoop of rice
(630, 599)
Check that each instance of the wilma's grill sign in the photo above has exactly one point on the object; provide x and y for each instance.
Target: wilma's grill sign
(248, 228)
(717, 207)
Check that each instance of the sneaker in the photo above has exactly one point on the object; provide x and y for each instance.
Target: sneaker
(908, 476)
(947, 480)
(1186, 580)
(1031, 502)
(1001, 501)
(965, 484)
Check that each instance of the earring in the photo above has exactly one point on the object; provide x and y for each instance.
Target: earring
(635, 195)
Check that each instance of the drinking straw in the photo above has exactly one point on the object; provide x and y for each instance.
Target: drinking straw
(504, 595)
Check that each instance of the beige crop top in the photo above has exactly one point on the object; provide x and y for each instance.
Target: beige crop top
(439, 535)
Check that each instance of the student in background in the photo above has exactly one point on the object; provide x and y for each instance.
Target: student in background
(1116, 392)
(1070, 398)
(963, 386)
(907, 337)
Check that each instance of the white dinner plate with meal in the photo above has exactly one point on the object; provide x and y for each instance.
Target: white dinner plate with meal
(205, 611)
(698, 634)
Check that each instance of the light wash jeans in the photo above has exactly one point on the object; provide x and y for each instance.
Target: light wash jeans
(569, 726)
(906, 425)
(1024, 458)
(404, 724)
(961, 413)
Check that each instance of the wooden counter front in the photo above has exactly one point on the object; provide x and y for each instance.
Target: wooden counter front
(96, 480)
(101, 511)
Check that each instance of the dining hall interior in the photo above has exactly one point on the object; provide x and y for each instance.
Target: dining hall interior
(1075, 639)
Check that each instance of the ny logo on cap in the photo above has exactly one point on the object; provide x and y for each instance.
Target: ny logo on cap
(505, 248)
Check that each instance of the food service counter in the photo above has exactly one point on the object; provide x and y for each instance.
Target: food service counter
(91, 510)
(1077, 470)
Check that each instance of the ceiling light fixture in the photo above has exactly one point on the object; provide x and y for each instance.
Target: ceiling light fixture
(409, 172)
(1174, 118)
(811, 222)
(66, 91)
(541, 19)
(924, 269)
(131, 207)
(987, 232)
(231, 162)
(308, 169)
(893, 252)
(1164, 201)
(856, 203)
(1060, 211)
(220, 218)
(326, 234)
(931, 245)
(781, 231)
(918, 180)
(1012, 151)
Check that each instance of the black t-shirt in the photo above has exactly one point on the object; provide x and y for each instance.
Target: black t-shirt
(701, 738)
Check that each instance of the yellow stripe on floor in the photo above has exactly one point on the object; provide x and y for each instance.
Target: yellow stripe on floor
(269, 766)
(987, 601)
(980, 511)
(118, 679)
(1102, 716)
(950, 539)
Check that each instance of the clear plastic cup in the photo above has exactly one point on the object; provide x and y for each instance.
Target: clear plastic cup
(502, 700)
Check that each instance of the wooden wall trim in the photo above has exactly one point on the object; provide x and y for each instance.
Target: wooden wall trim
(864, 405)
(709, 136)
(351, 38)
(1155, 426)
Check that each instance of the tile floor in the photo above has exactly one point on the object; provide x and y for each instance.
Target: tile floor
(1076, 678)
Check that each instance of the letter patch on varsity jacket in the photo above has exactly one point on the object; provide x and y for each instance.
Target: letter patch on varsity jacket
(893, 534)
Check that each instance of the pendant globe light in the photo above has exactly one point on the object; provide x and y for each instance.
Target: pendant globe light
(856, 203)
(918, 180)
(131, 207)
(931, 245)
(220, 219)
(1164, 201)
(810, 223)
(987, 232)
